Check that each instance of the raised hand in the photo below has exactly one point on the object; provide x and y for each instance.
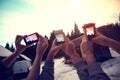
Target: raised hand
(87, 50)
(69, 48)
(41, 46)
(100, 39)
(19, 47)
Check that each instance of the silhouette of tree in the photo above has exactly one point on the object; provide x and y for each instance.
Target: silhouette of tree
(46, 37)
(76, 29)
(12, 48)
(7, 46)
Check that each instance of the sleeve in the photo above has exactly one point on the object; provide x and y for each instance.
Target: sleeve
(4, 72)
(82, 70)
(96, 72)
(47, 71)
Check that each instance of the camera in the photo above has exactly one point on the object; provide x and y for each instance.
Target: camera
(32, 38)
(59, 36)
(90, 30)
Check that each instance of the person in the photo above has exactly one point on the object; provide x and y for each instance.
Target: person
(87, 67)
(7, 62)
(106, 41)
(40, 49)
(48, 68)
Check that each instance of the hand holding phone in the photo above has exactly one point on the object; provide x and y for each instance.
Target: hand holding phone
(32, 38)
(89, 30)
(59, 36)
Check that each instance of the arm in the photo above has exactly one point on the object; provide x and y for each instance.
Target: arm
(77, 41)
(113, 44)
(105, 41)
(79, 64)
(94, 70)
(81, 68)
(7, 62)
(35, 70)
(48, 68)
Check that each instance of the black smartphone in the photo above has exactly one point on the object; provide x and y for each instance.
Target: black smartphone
(90, 30)
(59, 36)
(32, 38)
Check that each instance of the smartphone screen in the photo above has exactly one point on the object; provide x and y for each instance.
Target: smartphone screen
(32, 38)
(90, 30)
(59, 36)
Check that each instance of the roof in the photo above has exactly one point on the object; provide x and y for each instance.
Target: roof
(5, 52)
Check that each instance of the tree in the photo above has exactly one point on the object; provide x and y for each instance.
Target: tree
(7, 46)
(12, 48)
(76, 29)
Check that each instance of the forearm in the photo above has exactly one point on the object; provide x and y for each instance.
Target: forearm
(75, 58)
(47, 71)
(7, 62)
(77, 41)
(114, 45)
(82, 70)
(96, 72)
(50, 57)
(35, 70)
(90, 58)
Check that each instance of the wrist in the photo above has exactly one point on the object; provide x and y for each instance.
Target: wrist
(17, 52)
(75, 58)
(108, 42)
(90, 59)
(50, 57)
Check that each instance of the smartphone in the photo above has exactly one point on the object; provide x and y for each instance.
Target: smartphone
(59, 36)
(90, 30)
(32, 38)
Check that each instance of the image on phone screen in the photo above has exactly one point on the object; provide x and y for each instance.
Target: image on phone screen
(60, 38)
(31, 38)
(90, 30)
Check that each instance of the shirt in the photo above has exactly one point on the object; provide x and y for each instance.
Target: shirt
(90, 72)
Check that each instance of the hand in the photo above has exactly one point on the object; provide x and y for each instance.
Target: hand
(53, 51)
(100, 39)
(41, 46)
(55, 48)
(87, 50)
(86, 46)
(69, 49)
(19, 47)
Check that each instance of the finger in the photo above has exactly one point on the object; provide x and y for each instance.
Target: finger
(54, 41)
(95, 40)
(84, 39)
(27, 46)
(97, 32)
(85, 34)
(44, 41)
(67, 40)
(19, 38)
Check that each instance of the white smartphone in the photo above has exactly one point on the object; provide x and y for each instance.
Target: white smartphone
(59, 36)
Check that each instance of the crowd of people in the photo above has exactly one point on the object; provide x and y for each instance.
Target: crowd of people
(86, 66)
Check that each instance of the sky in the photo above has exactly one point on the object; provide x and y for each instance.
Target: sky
(43, 16)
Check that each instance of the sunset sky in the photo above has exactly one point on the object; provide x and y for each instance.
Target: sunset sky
(43, 16)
